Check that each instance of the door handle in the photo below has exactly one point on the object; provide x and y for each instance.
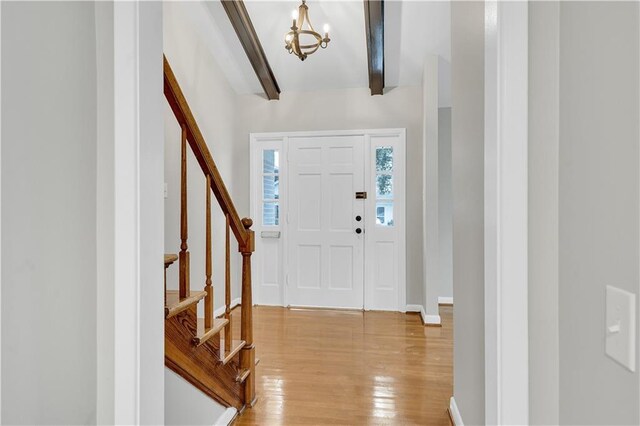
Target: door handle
(358, 218)
(358, 231)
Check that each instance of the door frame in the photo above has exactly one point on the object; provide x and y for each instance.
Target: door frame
(130, 214)
(280, 140)
(506, 213)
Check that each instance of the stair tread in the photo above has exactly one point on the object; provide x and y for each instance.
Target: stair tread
(199, 365)
(242, 375)
(175, 305)
(236, 345)
(203, 334)
(169, 259)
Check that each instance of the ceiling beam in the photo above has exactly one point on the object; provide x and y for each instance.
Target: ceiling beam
(239, 17)
(374, 23)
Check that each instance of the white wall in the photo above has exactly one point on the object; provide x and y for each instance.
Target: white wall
(445, 203)
(187, 405)
(544, 119)
(598, 207)
(467, 151)
(48, 213)
(342, 110)
(105, 220)
(584, 182)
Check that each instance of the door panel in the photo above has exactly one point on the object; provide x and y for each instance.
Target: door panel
(326, 254)
(308, 202)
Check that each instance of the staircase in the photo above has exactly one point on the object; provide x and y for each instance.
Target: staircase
(202, 350)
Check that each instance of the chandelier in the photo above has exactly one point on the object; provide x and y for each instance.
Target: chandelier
(311, 40)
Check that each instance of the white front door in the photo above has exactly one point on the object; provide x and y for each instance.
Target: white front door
(306, 215)
(326, 221)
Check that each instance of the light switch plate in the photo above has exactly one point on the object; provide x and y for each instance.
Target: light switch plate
(621, 327)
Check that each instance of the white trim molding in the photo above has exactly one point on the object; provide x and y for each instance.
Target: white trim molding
(442, 300)
(432, 320)
(419, 309)
(430, 187)
(220, 311)
(227, 417)
(129, 196)
(126, 171)
(426, 319)
(506, 213)
(0, 212)
(456, 417)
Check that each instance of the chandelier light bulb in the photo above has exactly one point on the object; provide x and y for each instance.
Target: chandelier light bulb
(294, 14)
(326, 29)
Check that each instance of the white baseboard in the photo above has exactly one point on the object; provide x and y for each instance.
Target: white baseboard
(227, 417)
(445, 300)
(427, 319)
(417, 308)
(220, 310)
(455, 413)
(432, 320)
(413, 308)
(320, 307)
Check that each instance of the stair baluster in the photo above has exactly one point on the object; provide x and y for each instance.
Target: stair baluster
(208, 300)
(227, 288)
(185, 288)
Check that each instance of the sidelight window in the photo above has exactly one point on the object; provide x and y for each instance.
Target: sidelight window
(270, 187)
(384, 186)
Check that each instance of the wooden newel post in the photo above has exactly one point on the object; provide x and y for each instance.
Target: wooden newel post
(247, 355)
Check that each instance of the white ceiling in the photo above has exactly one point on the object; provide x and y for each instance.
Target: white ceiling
(341, 65)
(413, 30)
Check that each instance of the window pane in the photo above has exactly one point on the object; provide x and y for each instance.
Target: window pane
(271, 187)
(270, 161)
(270, 214)
(384, 213)
(384, 158)
(384, 186)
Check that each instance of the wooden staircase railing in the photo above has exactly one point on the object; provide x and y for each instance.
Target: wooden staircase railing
(244, 236)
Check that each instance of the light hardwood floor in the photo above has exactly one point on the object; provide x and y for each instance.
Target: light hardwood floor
(325, 367)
